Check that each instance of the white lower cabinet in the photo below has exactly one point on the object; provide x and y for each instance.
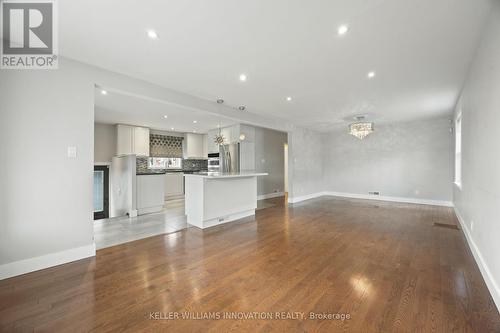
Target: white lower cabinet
(150, 193)
(174, 185)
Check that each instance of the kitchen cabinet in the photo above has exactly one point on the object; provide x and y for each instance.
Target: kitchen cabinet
(174, 185)
(193, 146)
(150, 194)
(132, 140)
(205, 145)
(212, 147)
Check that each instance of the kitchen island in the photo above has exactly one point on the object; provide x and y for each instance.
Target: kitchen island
(214, 198)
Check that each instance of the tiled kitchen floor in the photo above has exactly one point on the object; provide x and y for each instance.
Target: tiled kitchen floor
(119, 230)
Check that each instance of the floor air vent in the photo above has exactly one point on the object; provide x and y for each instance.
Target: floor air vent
(445, 225)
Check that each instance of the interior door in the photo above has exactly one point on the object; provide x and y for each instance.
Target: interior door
(101, 192)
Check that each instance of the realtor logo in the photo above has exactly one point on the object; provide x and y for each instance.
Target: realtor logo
(29, 39)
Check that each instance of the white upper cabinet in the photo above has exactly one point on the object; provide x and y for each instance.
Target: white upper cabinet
(211, 145)
(193, 146)
(205, 145)
(141, 141)
(132, 140)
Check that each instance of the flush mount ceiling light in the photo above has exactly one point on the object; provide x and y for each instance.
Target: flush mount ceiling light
(242, 108)
(361, 129)
(195, 121)
(220, 101)
(371, 74)
(289, 98)
(342, 30)
(152, 34)
(104, 92)
(165, 116)
(243, 77)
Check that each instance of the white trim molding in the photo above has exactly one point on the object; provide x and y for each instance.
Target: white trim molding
(270, 195)
(491, 283)
(305, 197)
(49, 260)
(371, 197)
(391, 199)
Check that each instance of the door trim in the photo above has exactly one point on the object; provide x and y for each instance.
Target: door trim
(105, 213)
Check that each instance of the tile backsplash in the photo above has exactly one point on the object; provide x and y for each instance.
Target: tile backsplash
(194, 165)
(142, 165)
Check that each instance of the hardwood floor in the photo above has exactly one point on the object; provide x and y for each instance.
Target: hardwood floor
(387, 266)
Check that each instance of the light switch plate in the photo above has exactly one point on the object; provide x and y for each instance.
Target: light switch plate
(71, 152)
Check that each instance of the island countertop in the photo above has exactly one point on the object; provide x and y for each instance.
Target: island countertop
(242, 174)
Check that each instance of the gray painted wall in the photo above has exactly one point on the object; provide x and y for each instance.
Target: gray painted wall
(104, 142)
(48, 196)
(478, 202)
(410, 160)
(305, 164)
(270, 158)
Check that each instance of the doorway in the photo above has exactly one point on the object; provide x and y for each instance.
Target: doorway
(101, 192)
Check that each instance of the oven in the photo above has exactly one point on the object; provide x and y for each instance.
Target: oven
(213, 162)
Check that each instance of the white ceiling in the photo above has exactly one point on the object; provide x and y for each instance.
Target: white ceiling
(118, 108)
(420, 50)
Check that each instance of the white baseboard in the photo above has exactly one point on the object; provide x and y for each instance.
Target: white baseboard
(371, 197)
(391, 199)
(491, 283)
(305, 197)
(49, 260)
(270, 195)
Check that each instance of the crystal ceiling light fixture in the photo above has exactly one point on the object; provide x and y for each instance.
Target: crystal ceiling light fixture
(361, 129)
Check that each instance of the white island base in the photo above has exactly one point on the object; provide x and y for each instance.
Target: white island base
(213, 199)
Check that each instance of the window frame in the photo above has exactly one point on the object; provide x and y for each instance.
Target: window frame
(458, 150)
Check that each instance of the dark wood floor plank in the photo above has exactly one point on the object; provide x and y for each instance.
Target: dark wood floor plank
(385, 264)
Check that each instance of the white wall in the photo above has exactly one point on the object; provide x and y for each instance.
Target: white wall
(269, 157)
(104, 142)
(411, 160)
(478, 202)
(47, 196)
(305, 164)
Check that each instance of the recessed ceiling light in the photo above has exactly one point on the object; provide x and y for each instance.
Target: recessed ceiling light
(289, 98)
(243, 77)
(194, 131)
(371, 75)
(195, 121)
(242, 108)
(165, 116)
(342, 30)
(104, 92)
(152, 34)
(172, 128)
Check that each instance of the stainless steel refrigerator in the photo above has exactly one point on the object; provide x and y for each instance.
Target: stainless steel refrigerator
(229, 158)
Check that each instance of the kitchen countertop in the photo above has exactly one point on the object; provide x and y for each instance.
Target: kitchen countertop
(226, 175)
(163, 172)
(150, 173)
